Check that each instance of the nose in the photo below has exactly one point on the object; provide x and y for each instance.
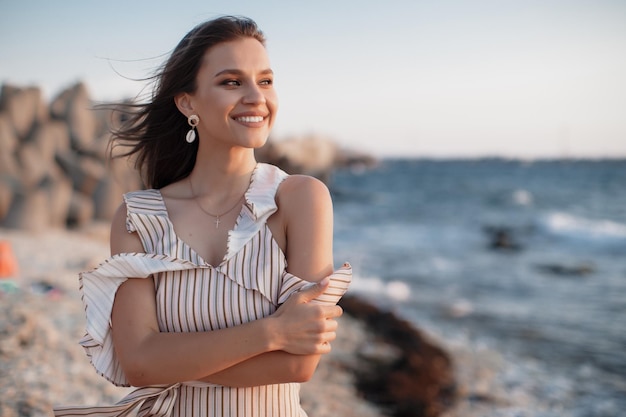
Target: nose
(254, 95)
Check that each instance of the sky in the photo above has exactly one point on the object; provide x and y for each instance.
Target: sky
(415, 78)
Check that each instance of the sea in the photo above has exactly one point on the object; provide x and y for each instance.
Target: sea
(517, 266)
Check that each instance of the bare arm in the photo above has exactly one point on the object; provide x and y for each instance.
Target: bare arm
(230, 355)
(306, 206)
(140, 345)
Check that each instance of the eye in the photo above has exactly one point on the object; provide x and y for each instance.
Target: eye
(267, 81)
(231, 82)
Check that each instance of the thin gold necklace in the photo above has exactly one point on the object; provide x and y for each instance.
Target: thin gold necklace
(217, 216)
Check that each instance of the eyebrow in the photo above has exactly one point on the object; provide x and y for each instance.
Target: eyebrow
(239, 72)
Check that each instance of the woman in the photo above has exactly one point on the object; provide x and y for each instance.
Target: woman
(205, 290)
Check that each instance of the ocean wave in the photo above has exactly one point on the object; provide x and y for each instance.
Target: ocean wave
(395, 290)
(580, 228)
(522, 197)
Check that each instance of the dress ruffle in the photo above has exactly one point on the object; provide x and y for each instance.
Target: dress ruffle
(260, 203)
(100, 285)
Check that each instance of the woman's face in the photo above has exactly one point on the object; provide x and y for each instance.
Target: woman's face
(235, 97)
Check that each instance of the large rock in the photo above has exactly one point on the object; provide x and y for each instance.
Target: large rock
(81, 210)
(313, 155)
(36, 156)
(24, 107)
(34, 165)
(107, 198)
(86, 173)
(9, 170)
(52, 138)
(53, 170)
(100, 148)
(108, 118)
(122, 177)
(59, 191)
(8, 138)
(309, 155)
(75, 107)
(8, 147)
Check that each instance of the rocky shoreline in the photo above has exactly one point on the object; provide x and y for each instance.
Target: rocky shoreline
(56, 170)
(380, 365)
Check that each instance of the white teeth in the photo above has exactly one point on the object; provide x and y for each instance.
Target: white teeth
(250, 119)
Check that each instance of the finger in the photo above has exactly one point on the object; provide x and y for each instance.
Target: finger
(313, 290)
(330, 336)
(331, 325)
(332, 312)
(324, 348)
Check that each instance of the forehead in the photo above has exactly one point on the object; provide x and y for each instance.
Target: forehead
(242, 54)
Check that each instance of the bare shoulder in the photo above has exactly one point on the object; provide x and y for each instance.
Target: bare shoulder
(121, 240)
(302, 198)
(303, 187)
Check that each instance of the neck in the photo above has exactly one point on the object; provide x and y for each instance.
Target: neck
(222, 176)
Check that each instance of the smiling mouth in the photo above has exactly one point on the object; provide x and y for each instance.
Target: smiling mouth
(250, 119)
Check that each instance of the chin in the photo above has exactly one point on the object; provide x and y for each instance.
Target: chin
(257, 142)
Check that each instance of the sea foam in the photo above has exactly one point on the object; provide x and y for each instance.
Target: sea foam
(580, 228)
(395, 290)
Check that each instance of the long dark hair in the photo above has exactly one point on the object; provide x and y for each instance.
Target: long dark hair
(155, 130)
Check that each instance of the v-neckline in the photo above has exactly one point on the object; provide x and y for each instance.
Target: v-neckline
(192, 251)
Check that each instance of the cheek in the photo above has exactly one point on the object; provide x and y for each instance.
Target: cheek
(272, 101)
(215, 102)
(273, 107)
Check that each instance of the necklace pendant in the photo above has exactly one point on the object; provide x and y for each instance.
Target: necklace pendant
(217, 222)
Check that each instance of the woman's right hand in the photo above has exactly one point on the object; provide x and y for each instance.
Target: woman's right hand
(304, 327)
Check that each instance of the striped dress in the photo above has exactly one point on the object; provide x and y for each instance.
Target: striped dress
(191, 296)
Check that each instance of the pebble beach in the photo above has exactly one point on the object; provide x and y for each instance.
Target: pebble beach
(41, 363)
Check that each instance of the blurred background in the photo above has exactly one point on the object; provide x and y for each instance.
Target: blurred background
(476, 152)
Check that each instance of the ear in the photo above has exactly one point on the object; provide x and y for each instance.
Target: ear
(183, 103)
